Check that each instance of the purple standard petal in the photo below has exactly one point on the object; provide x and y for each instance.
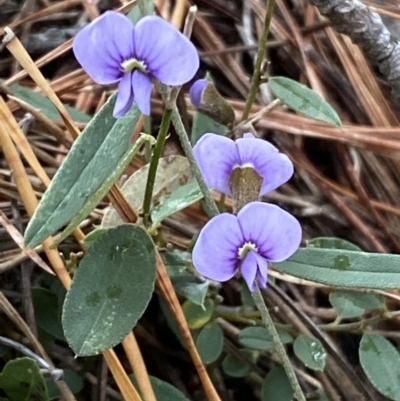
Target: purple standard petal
(168, 54)
(103, 45)
(196, 91)
(141, 86)
(216, 156)
(215, 254)
(275, 168)
(124, 96)
(276, 233)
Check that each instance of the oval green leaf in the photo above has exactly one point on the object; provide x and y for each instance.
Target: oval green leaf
(342, 268)
(303, 100)
(310, 351)
(381, 363)
(350, 304)
(210, 342)
(110, 291)
(196, 315)
(233, 366)
(276, 386)
(21, 380)
(332, 243)
(258, 338)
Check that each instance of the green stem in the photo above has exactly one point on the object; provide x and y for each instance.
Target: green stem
(211, 206)
(280, 349)
(151, 178)
(255, 80)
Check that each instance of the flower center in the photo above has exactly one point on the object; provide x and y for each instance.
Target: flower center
(245, 249)
(133, 64)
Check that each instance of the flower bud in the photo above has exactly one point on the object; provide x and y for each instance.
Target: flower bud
(208, 101)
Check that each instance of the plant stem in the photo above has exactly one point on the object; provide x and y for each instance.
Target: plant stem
(211, 206)
(255, 80)
(151, 178)
(280, 349)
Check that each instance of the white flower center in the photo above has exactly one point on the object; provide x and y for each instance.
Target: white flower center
(133, 64)
(244, 165)
(245, 249)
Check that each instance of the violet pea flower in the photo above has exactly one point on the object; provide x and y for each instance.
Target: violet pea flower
(217, 156)
(196, 91)
(245, 243)
(111, 49)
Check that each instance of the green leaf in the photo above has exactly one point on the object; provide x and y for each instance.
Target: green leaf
(44, 104)
(310, 351)
(140, 9)
(196, 315)
(172, 172)
(245, 295)
(178, 200)
(210, 342)
(162, 390)
(190, 287)
(91, 159)
(303, 100)
(276, 386)
(348, 269)
(21, 380)
(93, 236)
(332, 243)
(350, 304)
(381, 363)
(72, 379)
(176, 261)
(110, 291)
(47, 313)
(234, 366)
(96, 197)
(203, 124)
(259, 338)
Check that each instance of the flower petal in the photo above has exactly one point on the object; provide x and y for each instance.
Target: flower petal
(216, 156)
(276, 233)
(275, 168)
(103, 45)
(262, 273)
(141, 86)
(215, 254)
(196, 91)
(248, 269)
(124, 96)
(168, 54)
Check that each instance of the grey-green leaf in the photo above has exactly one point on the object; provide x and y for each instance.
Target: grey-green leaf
(92, 158)
(276, 386)
(233, 366)
(258, 338)
(178, 200)
(332, 243)
(110, 291)
(21, 380)
(203, 124)
(310, 351)
(381, 363)
(303, 100)
(348, 269)
(210, 342)
(350, 304)
(190, 287)
(45, 105)
(163, 390)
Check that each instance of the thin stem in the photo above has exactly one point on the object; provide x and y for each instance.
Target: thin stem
(280, 349)
(255, 80)
(211, 206)
(151, 178)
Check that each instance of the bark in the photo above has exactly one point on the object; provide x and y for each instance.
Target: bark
(366, 29)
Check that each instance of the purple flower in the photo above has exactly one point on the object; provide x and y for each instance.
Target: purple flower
(111, 49)
(196, 91)
(245, 243)
(218, 156)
